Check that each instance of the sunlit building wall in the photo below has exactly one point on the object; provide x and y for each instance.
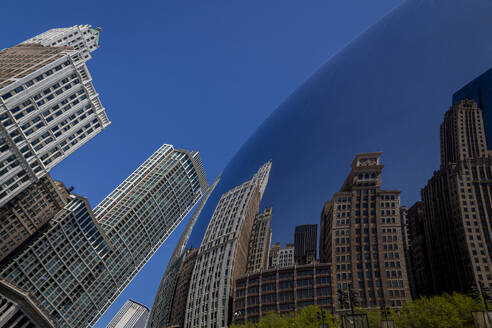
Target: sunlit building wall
(48, 109)
(80, 262)
(223, 253)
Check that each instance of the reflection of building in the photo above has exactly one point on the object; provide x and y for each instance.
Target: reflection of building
(182, 288)
(131, 315)
(160, 315)
(457, 203)
(48, 109)
(361, 236)
(420, 280)
(81, 262)
(259, 244)
(22, 216)
(18, 309)
(223, 253)
(305, 241)
(282, 290)
(281, 257)
(480, 90)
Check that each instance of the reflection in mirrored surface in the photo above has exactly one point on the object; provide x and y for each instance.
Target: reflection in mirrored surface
(387, 91)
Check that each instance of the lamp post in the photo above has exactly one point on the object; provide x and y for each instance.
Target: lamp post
(386, 323)
(322, 317)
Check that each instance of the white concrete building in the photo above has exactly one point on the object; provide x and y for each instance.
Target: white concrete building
(48, 108)
(223, 253)
(83, 38)
(131, 315)
(281, 257)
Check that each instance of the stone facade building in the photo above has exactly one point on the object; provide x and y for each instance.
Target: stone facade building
(418, 255)
(48, 109)
(361, 236)
(259, 243)
(131, 315)
(457, 204)
(281, 290)
(183, 285)
(281, 257)
(223, 253)
(27, 212)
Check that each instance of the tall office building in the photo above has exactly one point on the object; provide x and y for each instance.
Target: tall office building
(19, 310)
(223, 253)
(480, 90)
(361, 236)
(182, 288)
(420, 277)
(131, 315)
(64, 266)
(259, 243)
(48, 109)
(457, 203)
(163, 305)
(83, 38)
(279, 257)
(22, 216)
(305, 243)
(80, 262)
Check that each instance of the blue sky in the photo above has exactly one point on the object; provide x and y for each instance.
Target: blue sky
(199, 75)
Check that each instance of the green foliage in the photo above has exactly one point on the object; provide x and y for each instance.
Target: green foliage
(305, 318)
(445, 311)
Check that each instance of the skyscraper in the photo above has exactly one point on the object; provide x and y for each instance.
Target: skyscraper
(418, 256)
(279, 257)
(23, 215)
(131, 315)
(480, 90)
(361, 236)
(48, 109)
(81, 261)
(17, 309)
(182, 288)
(223, 253)
(259, 243)
(83, 38)
(163, 306)
(457, 203)
(305, 243)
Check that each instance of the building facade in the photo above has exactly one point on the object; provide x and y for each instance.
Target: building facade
(131, 315)
(281, 257)
(281, 290)
(112, 244)
(420, 277)
(223, 253)
(48, 109)
(182, 287)
(259, 244)
(305, 243)
(361, 236)
(162, 308)
(480, 90)
(457, 203)
(26, 213)
(19, 310)
(83, 38)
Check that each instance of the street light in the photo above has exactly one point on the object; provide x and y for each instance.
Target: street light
(386, 323)
(322, 317)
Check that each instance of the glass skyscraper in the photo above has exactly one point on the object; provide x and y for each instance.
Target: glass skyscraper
(79, 262)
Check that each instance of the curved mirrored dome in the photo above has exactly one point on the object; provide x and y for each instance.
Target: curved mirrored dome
(379, 102)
